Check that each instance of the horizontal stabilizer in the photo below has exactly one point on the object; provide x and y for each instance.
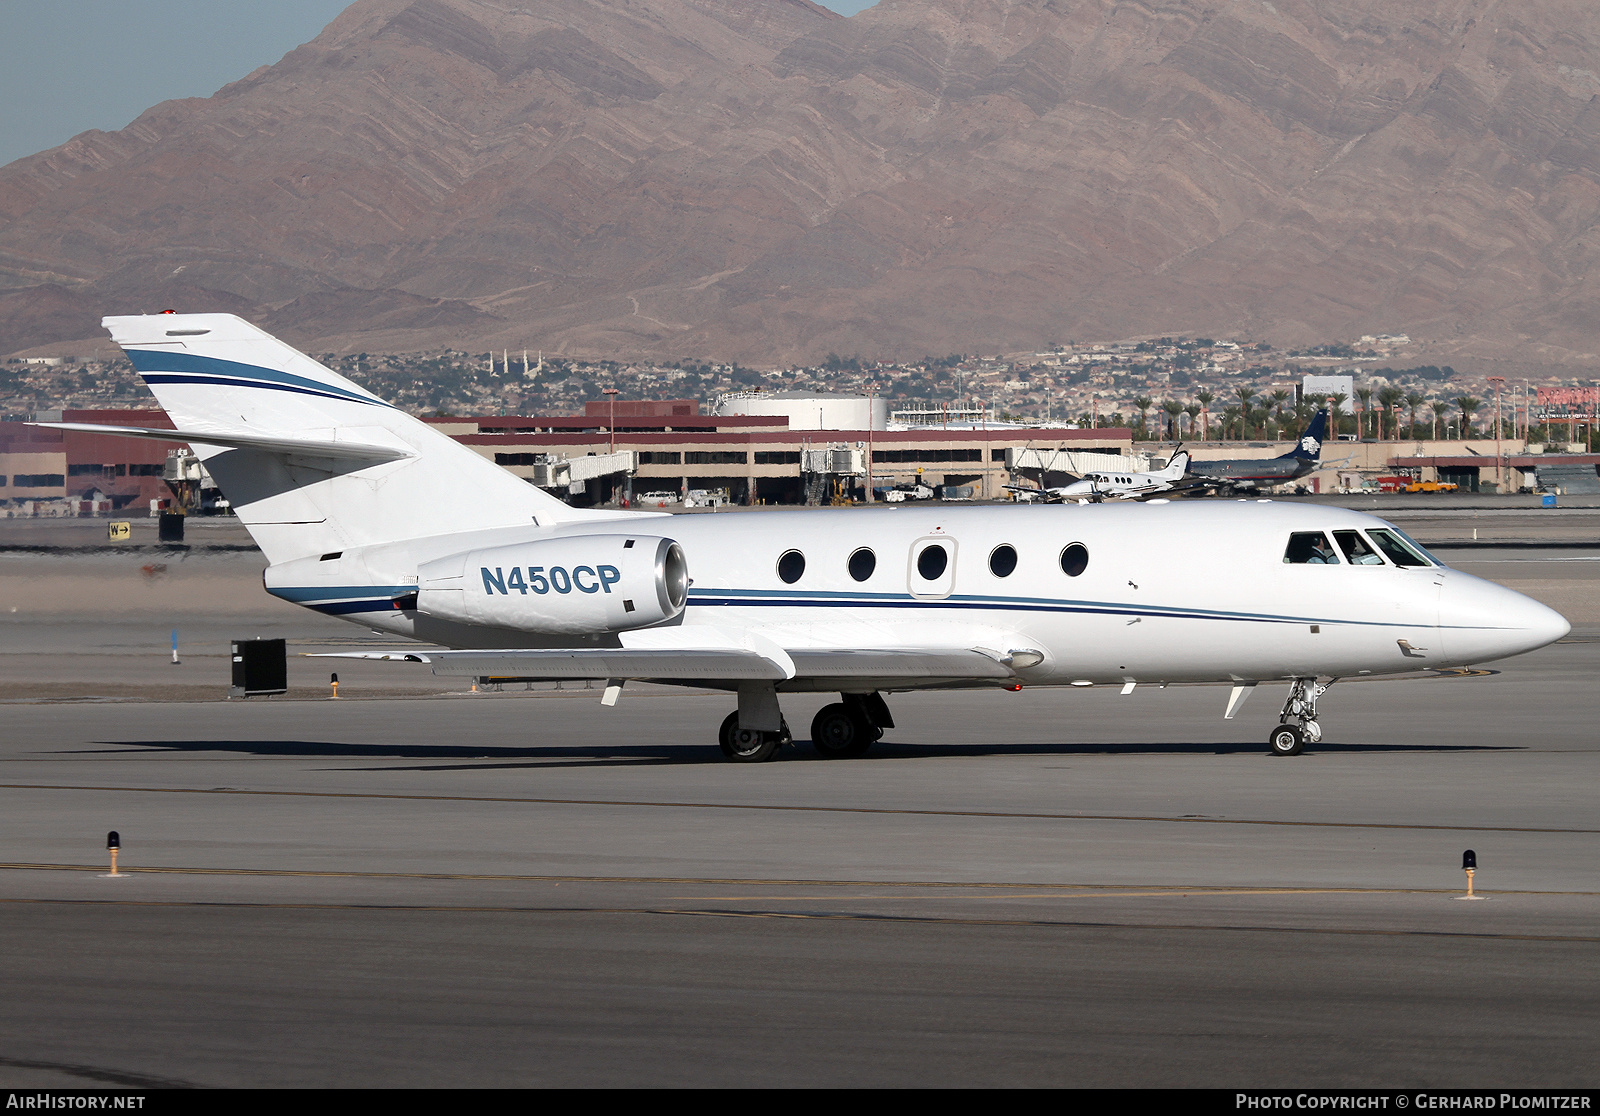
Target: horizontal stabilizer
(344, 451)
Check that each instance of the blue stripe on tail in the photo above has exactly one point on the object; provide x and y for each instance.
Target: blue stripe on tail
(161, 367)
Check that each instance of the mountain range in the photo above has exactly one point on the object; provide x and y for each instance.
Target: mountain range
(766, 181)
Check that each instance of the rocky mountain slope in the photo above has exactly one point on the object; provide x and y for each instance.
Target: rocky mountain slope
(763, 180)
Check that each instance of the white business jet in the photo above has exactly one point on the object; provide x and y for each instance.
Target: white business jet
(366, 513)
(1091, 488)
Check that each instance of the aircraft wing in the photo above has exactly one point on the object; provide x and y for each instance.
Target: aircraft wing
(1047, 495)
(353, 451)
(679, 655)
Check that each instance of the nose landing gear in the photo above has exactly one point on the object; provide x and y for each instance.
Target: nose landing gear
(1290, 739)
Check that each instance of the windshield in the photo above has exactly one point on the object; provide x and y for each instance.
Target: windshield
(1395, 548)
(1416, 546)
(1356, 549)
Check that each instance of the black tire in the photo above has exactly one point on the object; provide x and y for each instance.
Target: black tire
(748, 746)
(1287, 740)
(835, 734)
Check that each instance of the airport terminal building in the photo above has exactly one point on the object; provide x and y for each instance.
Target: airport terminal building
(670, 447)
(666, 451)
(614, 451)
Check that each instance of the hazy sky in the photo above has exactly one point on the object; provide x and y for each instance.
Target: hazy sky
(72, 65)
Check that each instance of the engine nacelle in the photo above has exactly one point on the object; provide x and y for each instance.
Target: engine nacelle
(574, 585)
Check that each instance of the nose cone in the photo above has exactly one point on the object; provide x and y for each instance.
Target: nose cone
(1480, 620)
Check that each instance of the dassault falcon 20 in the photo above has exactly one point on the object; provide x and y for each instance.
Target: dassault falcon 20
(366, 513)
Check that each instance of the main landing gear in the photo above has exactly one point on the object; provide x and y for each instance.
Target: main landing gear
(750, 745)
(1290, 739)
(845, 729)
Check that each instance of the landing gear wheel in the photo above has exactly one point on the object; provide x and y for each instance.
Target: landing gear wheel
(835, 734)
(1287, 740)
(749, 745)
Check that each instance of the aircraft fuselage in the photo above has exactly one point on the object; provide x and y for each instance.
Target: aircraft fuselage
(1166, 593)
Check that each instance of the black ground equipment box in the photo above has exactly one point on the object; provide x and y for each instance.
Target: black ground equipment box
(260, 666)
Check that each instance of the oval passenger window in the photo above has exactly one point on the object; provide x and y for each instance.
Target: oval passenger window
(1074, 559)
(932, 561)
(791, 566)
(862, 563)
(1003, 560)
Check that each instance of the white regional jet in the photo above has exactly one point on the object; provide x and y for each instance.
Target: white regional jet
(366, 513)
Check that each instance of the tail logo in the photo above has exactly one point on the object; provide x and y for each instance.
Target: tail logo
(1310, 445)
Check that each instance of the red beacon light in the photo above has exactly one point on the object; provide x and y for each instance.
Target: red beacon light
(169, 311)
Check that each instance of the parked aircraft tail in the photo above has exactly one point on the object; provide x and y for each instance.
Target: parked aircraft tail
(310, 461)
(1177, 465)
(1311, 439)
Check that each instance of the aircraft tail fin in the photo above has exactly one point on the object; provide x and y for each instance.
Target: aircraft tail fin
(1311, 439)
(1177, 465)
(384, 475)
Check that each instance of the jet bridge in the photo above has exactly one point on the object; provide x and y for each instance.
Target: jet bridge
(575, 473)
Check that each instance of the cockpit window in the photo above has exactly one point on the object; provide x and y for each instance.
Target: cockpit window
(1310, 548)
(1357, 551)
(1395, 548)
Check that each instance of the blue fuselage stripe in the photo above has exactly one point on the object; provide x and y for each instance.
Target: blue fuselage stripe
(342, 599)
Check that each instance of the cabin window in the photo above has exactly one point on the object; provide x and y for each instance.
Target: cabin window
(1357, 551)
(1395, 548)
(1074, 559)
(791, 565)
(862, 563)
(931, 563)
(1003, 560)
(1310, 548)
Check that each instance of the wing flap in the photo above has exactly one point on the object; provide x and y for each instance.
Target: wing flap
(909, 664)
(682, 664)
(669, 654)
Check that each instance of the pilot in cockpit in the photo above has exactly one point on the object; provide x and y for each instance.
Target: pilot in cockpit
(1310, 548)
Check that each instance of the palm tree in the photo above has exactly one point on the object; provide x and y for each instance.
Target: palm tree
(1336, 404)
(1174, 408)
(1144, 403)
(1205, 395)
(1259, 418)
(1193, 411)
(1468, 407)
(1229, 413)
(1391, 398)
(1245, 394)
(1414, 400)
(1365, 395)
(1279, 397)
(1441, 410)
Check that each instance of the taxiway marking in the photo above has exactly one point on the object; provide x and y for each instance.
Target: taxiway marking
(831, 916)
(886, 810)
